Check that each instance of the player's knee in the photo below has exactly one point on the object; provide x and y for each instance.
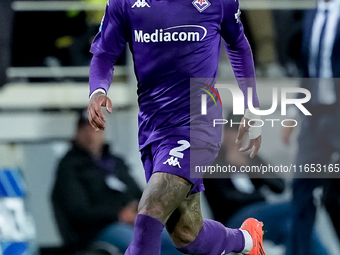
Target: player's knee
(155, 209)
(162, 195)
(182, 236)
(154, 212)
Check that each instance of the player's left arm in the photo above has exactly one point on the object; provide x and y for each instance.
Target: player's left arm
(241, 59)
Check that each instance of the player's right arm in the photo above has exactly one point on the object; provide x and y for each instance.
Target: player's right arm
(106, 48)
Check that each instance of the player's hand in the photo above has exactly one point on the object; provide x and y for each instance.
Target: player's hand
(253, 141)
(96, 116)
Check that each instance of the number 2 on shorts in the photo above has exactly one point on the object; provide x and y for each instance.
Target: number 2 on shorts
(176, 152)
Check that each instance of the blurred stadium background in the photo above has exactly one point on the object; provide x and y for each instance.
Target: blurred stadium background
(47, 83)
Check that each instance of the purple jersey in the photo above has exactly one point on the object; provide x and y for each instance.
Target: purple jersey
(171, 42)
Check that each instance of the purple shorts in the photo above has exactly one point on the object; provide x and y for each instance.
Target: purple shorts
(179, 155)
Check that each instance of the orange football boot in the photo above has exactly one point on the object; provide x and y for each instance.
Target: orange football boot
(254, 227)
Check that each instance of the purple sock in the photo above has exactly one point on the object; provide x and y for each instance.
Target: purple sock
(213, 239)
(147, 236)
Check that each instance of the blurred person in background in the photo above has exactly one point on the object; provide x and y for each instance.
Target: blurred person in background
(229, 193)
(288, 37)
(6, 18)
(331, 199)
(235, 197)
(319, 134)
(94, 197)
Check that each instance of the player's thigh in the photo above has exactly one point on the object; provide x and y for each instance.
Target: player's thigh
(162, 195)
(167, 165)
(186, 221)
(179, 155)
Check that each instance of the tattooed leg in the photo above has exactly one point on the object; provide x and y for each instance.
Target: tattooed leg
(165, 201)
(162, 195)
(193, 235)
(186, 221)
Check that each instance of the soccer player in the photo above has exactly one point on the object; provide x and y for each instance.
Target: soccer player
(173, 42)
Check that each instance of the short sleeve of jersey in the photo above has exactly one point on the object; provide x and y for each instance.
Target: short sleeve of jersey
(112, 35)
(231, 26)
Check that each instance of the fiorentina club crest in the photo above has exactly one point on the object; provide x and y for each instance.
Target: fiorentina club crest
(201, 5)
